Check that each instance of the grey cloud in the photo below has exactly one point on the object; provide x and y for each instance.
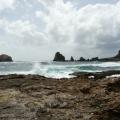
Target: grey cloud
(90, 30)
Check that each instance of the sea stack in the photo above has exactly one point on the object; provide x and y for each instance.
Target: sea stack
(59, 57)
(5, 58)
(82, 59)
(72, 59)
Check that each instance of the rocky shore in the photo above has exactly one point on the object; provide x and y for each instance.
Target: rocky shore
(33, 97)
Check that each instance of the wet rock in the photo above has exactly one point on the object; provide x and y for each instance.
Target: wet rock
(96, 75)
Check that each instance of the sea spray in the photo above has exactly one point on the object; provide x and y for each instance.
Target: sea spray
(56, 69)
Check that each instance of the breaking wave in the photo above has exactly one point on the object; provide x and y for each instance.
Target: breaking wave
(56, 69)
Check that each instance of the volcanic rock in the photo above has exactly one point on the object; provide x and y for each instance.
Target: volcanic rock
(71, 59)
(82, 59)
(5, 58)
(59, 57)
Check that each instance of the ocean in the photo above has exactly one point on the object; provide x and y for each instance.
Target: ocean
(56, 69)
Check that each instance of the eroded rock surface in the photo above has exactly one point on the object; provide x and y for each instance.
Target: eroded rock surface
(34, 97)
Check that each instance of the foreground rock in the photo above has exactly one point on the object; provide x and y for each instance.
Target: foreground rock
(5, 58)
(34, 97)
(59, 57)
(96, 75)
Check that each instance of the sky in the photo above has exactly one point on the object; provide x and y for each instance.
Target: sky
(34, 30)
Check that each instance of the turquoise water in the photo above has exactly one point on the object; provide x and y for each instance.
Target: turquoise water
(56, 69)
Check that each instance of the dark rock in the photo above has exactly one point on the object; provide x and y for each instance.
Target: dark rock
(82, 59)
(5, 58)
(59, 57)
(43, 114)
(85, 89)
(114, 86)
(110, 114)
(71, 59)
(118, 55)
(96, 75)
(115, 58)
(95, 59)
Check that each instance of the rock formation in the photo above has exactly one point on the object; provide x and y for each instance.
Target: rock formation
(94, 59)
(82, 59)
(115, 58)
(59, 57)
(5, 58)
(71, 59)
(118, 55)
(34, 97)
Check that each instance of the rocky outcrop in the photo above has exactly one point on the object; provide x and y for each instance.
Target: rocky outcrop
(59, 57)
(94, 59)
(5, 58)
(115, 58)
(33, 97)
(82, 59)
(72, 59)
(96, 75)
(118, 55)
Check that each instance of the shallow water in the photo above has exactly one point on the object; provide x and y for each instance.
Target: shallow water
(56, 69)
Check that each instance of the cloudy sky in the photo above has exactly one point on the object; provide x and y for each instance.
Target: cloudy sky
(36, 29)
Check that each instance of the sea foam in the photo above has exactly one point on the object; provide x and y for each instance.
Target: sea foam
(56, 69)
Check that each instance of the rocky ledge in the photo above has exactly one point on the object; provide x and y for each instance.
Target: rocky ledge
(33, 97)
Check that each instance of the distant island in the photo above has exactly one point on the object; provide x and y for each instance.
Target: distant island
(61, 58)
(5, 58)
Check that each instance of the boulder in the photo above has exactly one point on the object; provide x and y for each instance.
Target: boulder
(5, 58)
(59, 57)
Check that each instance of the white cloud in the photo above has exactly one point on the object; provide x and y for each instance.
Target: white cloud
(84, 30)
(60, 25)
(6, 4)
(24, 32)
(39, 13)
(47, 2)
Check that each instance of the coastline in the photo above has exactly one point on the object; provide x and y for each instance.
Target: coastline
(36, 97)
